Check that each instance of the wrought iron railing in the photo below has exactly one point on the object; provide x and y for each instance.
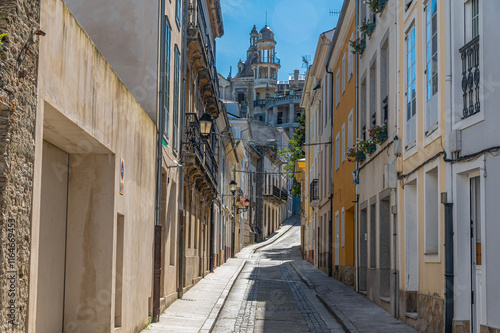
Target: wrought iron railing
(259, 102)
(470, 78)
(195, 143)
(314, 190)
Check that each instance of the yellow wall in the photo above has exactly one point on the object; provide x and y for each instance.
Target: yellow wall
(343, 187)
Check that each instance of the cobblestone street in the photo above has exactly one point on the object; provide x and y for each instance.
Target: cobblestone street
(269, 288)
(269, 296)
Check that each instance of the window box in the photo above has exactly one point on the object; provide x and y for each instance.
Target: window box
(371, 148)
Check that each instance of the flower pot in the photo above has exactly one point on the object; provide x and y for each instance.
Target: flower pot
(371, 148)
(370, 28)
(362, 47)
(381, 5)
(361, 157)
(383, 136)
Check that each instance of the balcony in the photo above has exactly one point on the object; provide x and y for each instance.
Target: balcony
(201, 54)
(275, 194)
(259, 102)
(470, 78)
(314, 193)
(283, 100)
(199, 159)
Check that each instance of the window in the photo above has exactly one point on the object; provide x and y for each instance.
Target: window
(431, 115)
(178, 13)
(373, 94)
(337, 151)
(343, 142)
(280, 117)
(350, 129)
(432, 212)
(362, 110)
(471, 20)
(176, 99)
(343, 74)
(350, 63)
(475, 18)
(337, 88)
(166, 84)
(342, 221)
(411, 110)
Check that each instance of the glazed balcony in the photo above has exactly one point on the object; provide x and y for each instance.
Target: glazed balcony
(202, 56)
(199, 159)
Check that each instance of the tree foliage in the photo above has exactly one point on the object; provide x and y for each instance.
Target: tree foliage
(294, 151)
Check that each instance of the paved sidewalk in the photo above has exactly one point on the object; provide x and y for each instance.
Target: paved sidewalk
(200, 306)
(354, 312)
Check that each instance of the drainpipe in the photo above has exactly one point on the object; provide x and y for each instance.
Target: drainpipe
(395, 224)
(356, 187)
(180, 195)
(448, 266)
(330, 221)
(448, 206)
(159, 158)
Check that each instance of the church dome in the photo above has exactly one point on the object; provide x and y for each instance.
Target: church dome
(266, 33)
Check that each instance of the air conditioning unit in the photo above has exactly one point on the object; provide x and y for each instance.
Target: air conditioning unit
(390, 177)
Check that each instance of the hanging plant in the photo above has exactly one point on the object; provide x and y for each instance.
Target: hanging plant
(366, 28)
(358, 151)
(378, 133)
(376, 6)
(358, 45)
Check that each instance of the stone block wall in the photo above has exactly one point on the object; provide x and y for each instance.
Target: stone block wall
(18, 95)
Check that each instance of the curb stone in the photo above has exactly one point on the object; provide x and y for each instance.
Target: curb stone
(209, 324)
(332, 308)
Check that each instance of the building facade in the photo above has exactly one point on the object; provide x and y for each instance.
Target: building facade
(421, 171)
(317, 181)
(340, 105)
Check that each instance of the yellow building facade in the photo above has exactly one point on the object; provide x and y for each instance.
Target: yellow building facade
(341, 103)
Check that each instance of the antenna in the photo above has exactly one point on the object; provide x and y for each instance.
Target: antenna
(334, 12)
(306, 60)
(266, 18)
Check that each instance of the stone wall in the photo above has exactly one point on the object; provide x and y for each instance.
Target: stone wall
(18, 93)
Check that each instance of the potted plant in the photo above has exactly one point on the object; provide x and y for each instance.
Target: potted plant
(371, 147)
(378, 133)
(366, 28)
(358, 45)
(376, 6)
(357, 152)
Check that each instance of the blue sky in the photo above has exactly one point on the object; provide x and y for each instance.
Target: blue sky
(295, 23)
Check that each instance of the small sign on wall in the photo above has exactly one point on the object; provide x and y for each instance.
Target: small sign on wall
(122, 176)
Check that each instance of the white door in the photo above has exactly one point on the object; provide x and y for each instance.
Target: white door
(476, 255)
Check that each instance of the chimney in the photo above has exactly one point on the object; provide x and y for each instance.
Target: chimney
(296, 75)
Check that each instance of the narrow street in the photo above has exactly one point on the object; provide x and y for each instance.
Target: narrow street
(269, 296)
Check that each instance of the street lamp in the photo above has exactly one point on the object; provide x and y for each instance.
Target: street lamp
(206, 123)
(232, 187)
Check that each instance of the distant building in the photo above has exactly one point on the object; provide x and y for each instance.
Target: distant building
(256, 88)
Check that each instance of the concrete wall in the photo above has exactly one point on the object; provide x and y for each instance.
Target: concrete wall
(115, 26)
(87, 112)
